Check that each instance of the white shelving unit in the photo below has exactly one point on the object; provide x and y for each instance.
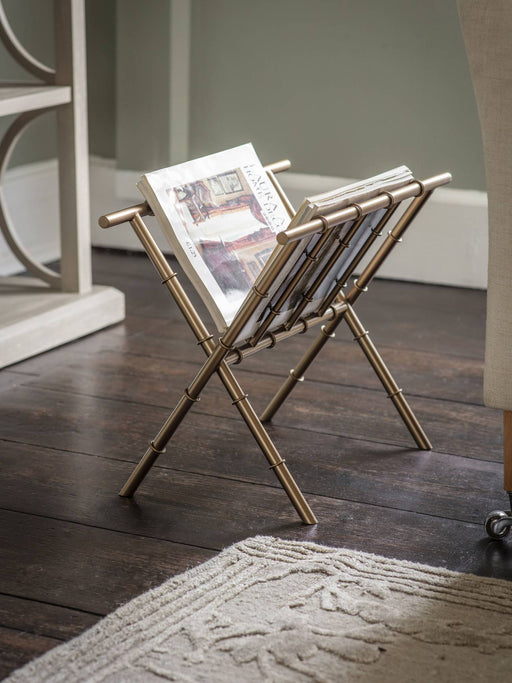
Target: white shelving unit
(40, 312)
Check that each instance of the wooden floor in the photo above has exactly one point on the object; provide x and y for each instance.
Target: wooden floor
(74, 421)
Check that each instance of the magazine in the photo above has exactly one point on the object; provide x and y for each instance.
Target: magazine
(220, 214)
(311, 207)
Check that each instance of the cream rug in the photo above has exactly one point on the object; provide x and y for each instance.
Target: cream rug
(281, 611)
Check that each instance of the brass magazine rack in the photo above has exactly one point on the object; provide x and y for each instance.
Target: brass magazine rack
(305, 246)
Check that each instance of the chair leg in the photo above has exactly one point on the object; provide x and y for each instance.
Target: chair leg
(498, 522)
(389, 384)
(507, 451)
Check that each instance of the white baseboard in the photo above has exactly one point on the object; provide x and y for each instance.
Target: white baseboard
(113, 189)
(447, 243)
(31, 193)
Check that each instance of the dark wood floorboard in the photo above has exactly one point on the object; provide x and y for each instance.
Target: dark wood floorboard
(74, 421)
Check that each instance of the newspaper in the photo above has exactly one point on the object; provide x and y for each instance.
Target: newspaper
(220, 214)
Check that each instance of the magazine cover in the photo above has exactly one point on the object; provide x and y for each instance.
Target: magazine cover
(220, 215)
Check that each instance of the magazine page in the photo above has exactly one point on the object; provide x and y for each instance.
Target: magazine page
(221, 215)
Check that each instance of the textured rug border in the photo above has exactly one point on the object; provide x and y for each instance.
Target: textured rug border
(211, 577)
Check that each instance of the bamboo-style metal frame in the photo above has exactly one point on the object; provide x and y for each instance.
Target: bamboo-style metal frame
(334, 308)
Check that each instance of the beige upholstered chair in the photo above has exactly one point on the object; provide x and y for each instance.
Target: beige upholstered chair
(487, 30)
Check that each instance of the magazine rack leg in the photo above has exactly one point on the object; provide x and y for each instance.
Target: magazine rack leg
(215, 363)
(296, 374)
(276, 463)
(361, 336)
(240, 400)
(394, 393)
(157, 446)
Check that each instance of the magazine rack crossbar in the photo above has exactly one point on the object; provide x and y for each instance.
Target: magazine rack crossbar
(300, 287)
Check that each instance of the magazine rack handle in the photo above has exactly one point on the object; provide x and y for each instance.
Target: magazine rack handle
(124, 215)
(381, 201)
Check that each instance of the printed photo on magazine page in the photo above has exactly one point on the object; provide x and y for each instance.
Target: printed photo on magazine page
(221, 215)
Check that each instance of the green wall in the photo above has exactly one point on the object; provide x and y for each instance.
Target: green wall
(31, 20)
(100, 21)
(341, 87)
(142, 84)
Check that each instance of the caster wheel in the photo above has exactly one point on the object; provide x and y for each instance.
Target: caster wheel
(493, 527)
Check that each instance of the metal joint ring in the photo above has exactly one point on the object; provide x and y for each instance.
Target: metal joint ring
(191, 398)
(395, 393)
(169, 278)
(360, 336)
(359, 210)
(330, 335)
(297, 379)
(260, 294)
(281, 462)
(237, 400)
(273, 340)
(304, 325)
(240, 356)
(422, 187)
(361, 289)
(389, 196)
(395, 239)
(202, 341)
(155, 449)
(325, 223)
(224, 346)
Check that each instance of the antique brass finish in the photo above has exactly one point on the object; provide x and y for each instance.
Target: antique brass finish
(271, 338)
(390, 242)
(360, 286)
(326, 269)
(297, 375)
(382, 201)
(214, 363)
(376, 232)
(393, 391)
(278, 167)
(306, 241)
(270, 172)
(310, 259)
(124, 215)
